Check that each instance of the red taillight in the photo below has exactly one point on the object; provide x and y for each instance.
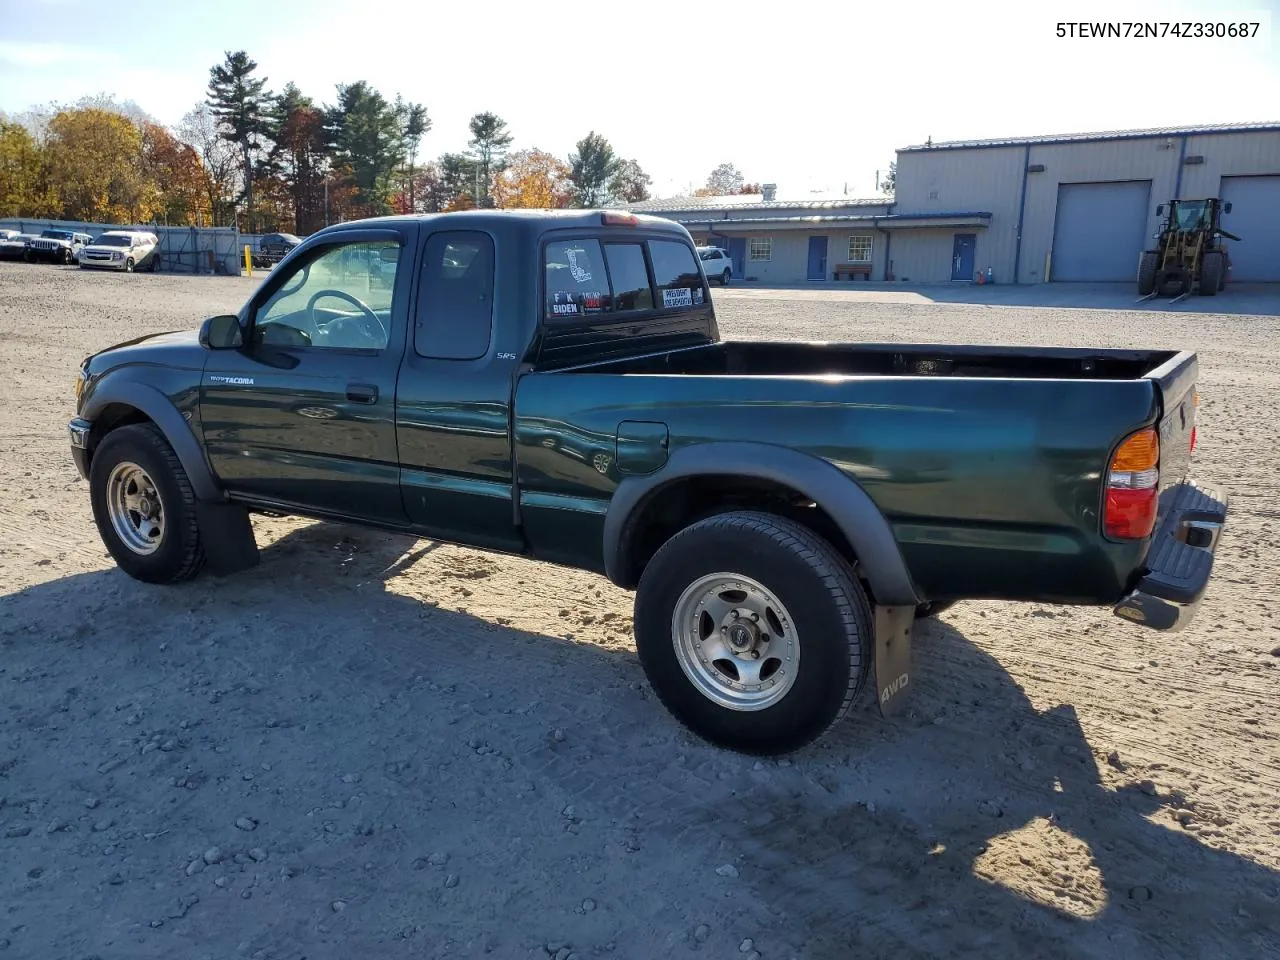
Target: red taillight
(619, 218)
(1133, 481)
(1131, 514)
(1193, 439)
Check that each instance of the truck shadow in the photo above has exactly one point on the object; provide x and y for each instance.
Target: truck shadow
(981, 828)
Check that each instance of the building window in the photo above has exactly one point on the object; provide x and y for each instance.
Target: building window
(859, 249)
(761, 248)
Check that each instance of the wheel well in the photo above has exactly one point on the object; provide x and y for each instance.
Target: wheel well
(111, 416)
(684, 502)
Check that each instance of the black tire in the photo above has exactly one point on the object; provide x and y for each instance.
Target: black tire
(179, 555)
(65, 257)
(1147, 272)
(29, 257)
(1211, 272)
(831, 626)
(933, 608)
(128, 265)
(724, 279)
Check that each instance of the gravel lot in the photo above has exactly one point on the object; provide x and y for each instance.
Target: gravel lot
(371, 746)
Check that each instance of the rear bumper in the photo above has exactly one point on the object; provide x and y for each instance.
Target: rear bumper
(1180, 561)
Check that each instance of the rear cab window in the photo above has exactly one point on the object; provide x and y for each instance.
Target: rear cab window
(610, 276)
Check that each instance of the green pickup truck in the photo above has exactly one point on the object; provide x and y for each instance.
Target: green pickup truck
(554, 384)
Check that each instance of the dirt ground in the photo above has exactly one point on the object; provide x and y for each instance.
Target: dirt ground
(371, 746)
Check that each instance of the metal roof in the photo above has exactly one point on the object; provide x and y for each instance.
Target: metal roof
(752, 201)
(872, 218)
(1150, 132)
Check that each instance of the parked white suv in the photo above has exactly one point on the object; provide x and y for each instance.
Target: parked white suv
(126, 250)
(716, 264)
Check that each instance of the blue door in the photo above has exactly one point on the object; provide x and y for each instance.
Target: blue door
(817, 258)
(962, 256)
(738, 254)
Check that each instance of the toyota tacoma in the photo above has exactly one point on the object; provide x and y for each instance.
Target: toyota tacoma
(554, 384)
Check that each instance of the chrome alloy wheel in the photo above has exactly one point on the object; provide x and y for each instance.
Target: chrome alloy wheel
(735, 641)
(133, 504)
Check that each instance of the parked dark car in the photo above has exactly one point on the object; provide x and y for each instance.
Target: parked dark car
(274, 246)
(13, 245)
(554, 384)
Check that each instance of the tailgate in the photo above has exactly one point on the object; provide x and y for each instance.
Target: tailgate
(1175, 381)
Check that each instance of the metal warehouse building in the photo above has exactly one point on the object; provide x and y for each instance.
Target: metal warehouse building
(1078, 207)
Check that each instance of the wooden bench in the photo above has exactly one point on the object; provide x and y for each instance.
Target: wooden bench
(852, 270)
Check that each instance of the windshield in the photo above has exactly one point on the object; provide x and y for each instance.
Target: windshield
(56, 235)
(1191, 216)
(116, 241)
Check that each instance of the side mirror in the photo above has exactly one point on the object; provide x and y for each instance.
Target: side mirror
(1160, 210)
(221, 333)
(1226, 207)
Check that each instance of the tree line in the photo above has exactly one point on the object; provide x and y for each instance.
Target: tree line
(267, 161)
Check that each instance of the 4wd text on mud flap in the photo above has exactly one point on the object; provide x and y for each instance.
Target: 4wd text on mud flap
(893, 687)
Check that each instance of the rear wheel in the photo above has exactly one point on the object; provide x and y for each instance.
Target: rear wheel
(724, 279)
(144, 506)
(753, 631)
(1147, 272)
(1211, 273)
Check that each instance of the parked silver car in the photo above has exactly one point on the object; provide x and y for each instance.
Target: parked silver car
(126, 250)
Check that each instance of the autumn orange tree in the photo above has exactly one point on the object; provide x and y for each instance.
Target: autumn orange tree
(533, 179)
(94, 163)
(176, 182)
(23, 189)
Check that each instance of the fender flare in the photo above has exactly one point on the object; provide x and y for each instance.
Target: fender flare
(172, 424)
(844, 500)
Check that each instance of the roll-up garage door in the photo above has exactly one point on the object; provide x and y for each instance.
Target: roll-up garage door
(1100, 230)
(1255, 219)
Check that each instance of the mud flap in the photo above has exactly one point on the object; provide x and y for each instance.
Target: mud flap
(227, 536)
(893, 657)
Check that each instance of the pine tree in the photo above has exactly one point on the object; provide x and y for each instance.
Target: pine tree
(489, 142)
(241, 103)
(593, 167)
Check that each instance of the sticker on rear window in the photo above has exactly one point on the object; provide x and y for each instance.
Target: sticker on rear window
(679, 297)
(579, 274)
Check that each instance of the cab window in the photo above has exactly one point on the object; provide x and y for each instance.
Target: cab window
(455, 296)
(340, 299)
(576, 282)
(676, 274)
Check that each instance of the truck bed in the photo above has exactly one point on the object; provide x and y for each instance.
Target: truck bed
(987, 461)
(788, 358)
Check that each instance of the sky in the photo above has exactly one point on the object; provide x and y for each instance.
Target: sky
(814, 96)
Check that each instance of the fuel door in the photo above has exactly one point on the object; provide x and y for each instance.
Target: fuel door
(642, 447)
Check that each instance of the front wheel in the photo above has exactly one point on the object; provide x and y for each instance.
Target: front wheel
(753, 632)
(144, 506)
(1211, 273)
(128, 265)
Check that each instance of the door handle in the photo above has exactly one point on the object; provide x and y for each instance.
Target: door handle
(362, 392)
